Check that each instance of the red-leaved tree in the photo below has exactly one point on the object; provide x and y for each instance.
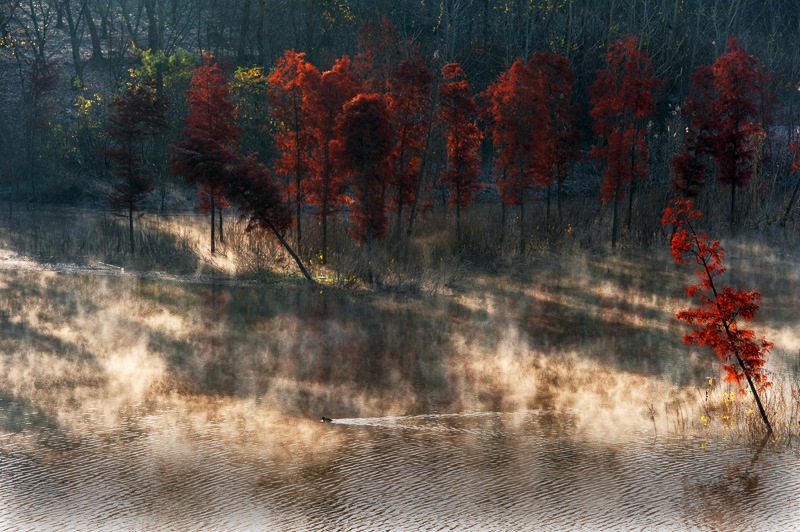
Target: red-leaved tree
(380, 50)
(325, 101)
(210, 125)
(409, 101)
(726, 122)
(557, 146)
(364, 141)
(260, 200)
(135, 115)
(288, 87)
(689, 166)
(716, 319)
(458, 112)
(512, 105)
(623, 100)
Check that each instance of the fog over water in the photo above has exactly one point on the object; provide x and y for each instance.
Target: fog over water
(555, 399)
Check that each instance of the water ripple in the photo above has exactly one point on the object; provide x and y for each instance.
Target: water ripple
(474, 471)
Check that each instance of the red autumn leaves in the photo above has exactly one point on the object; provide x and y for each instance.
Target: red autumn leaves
(717, 319)
(532, 120)
(207, 155)
(424, 128)
(725, 111)
(367, 137)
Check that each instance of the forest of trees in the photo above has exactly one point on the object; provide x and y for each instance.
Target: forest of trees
(306, 111)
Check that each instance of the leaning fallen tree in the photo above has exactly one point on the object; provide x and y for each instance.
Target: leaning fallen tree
(243, 181)
(743, 355)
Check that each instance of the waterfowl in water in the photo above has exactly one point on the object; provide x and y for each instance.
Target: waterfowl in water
(326, 419)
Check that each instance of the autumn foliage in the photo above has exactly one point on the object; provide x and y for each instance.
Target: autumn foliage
(557, 143)
(717, 319)
(288, 87)
(364, 145)
(458, 113)
(623, 100)
(207, 154)
(532, 120)
(409, 99)
(724, 112)
(326, 97)
(210, 139)
(512, 114)
(511, 106)
(135, 115)
(359, 137)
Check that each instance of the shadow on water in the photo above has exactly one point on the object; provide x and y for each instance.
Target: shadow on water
(342, 353)
(18, 415)
(514, 402)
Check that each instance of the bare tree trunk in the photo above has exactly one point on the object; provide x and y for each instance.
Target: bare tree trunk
(790, 205)
(153, 38)
(614, 219)
(291, 252)
(221, 233)
(424, 160)
(74, 39)
(631, 191)
(458, 215)
(244, 31)
(130, 226)
(398, 220)
(326, 183)
(522, 224)
(261, 33)
(503, 215)
(97, 49)
(213, 243)
(547, 209)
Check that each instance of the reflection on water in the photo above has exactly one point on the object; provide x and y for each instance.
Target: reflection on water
(129, 403)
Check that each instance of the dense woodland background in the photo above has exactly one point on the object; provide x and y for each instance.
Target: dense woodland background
(63, 63)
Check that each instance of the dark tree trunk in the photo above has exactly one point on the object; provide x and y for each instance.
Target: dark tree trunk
(630, 206)
(291, 252)
(790, 205)
(558, 203)
(326, 183)
(298, 210)
(244, 33)
(458, 215)
(614, 219)
(213, 243)
(153, 38)
(130, 226)
(221, 233)
(503, 216)
(399, 220)
(424, 161)
(59, 16)
(74, 41)
(97, 49)
(522, 224)
(261, 33)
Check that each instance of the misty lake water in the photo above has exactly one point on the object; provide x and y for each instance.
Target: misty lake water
(559, 399)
